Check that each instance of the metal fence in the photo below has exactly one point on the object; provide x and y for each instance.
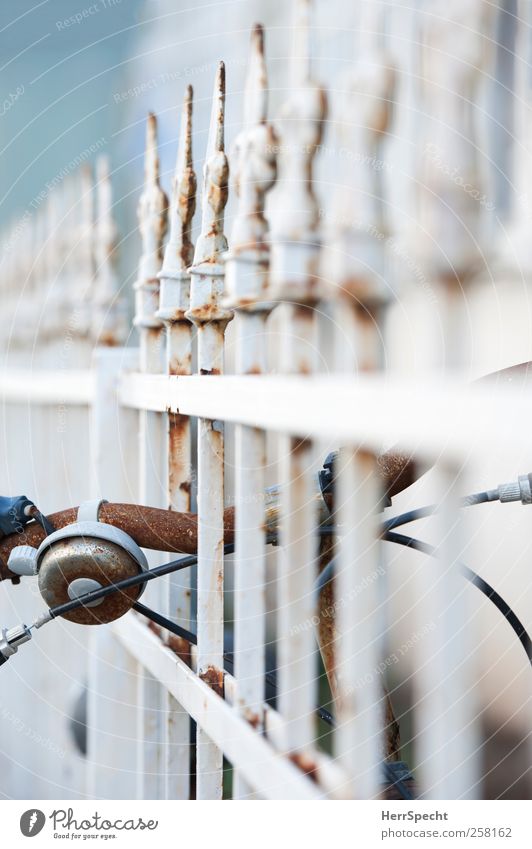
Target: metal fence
(308, 289)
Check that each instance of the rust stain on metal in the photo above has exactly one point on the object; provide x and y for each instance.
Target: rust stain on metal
(303, 312)
(361, 295)
(180, 647)
(178, 454)
(206, 306)
(178, 425)
(153, 204)
(326, 630)
(299, 444)
(180, 366)
(305, 764)
(217, 197)
(79, 557)
(212, 242)
(184, 188)
(108, 338)
(219, 558)
(397, 471)
(254, 719)
(150, 527)
(155, 335)
(214, 678)
(153, 627)
(210, 312)
(328, 637)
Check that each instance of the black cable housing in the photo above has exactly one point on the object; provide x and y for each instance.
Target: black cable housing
(423, 512)
(485, 588)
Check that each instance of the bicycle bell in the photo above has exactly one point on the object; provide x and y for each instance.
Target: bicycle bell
(80, 558)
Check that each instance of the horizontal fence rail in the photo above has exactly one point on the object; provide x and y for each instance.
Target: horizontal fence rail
(258, 353)
(449, 417)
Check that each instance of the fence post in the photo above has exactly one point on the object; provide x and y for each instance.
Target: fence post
(173, 303)
(211, 318)
(152, 215)
(82, 256)
(294, 255)
(109, 314)
(253, 169)
(113, 672)
(446, 731)
(358, 278)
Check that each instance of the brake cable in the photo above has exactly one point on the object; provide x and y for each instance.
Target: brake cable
(502, 606)
(490, 593)
(520, 490)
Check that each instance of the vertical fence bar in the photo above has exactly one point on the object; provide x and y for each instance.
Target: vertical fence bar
(152, 215)
(294, 255)
(83, 265)
(358, 691)
(355, 265)
(51, 326)
(211, 318)
(173, 304)
(113, 672)
(445, 728)
(447, 737)
(108, 325)
(253, 169)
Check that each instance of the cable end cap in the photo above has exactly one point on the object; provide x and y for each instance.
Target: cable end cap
(23, 560)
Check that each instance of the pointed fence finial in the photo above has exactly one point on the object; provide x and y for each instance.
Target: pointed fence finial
(300, 62)
(217, 123)
(151, 159)
(152, 215)
(295, 214)
(83, 265)
(109, 310)
(457, 44)
(174, 297)
(253, 173)
(256, 90)
(212, 242)
(179, 249)
(355, 260)
(207, 281)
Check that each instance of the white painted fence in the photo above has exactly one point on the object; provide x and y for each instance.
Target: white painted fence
(308, 289)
